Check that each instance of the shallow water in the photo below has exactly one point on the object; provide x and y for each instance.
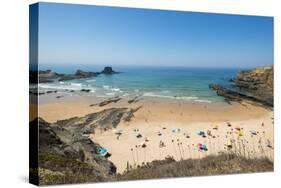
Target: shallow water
(190, 84)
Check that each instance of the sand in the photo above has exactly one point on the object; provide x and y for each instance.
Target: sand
(163, 116)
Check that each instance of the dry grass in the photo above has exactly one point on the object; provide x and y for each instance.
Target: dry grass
(211, 165)
(57, 169)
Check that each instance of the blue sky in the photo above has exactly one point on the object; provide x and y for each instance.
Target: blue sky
(79, 34)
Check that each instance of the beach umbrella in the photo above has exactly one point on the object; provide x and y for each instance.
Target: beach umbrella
(143, 145)
(240, 133)
(201, 133)
(202, 147)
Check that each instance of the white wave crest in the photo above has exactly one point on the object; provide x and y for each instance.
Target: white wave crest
(76, 84)
(90, 81)
(185, 98)
(110, 94)
(106, 87)
(203, 101)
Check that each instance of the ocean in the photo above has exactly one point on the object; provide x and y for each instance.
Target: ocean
(189, 84)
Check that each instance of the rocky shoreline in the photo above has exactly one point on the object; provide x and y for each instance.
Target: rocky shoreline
(49, 76)
(254, 85)
(65, 146)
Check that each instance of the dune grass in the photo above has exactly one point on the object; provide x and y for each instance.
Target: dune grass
(211, 165)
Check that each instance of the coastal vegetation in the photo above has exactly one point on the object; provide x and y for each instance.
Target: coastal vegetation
(211, 165)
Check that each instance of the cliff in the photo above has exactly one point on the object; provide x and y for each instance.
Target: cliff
(255, 85)
(68, 155)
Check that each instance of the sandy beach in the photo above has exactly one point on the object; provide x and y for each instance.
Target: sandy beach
(163, 94)
(166, 127)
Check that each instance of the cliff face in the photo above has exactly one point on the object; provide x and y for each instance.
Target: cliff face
(68, 155)
(256, 85)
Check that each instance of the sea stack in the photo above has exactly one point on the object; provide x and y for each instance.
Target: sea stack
(108, 70)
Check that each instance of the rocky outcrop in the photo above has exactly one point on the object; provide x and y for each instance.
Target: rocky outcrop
(50, 76)
(102, 121)
(258, 83)
(42, 76)
(134, 100)
(47, 76)
(108, 70)
(255, 85)
(65, 147)
(84, 74)
(78, 75)
(62, 153)
(110, 100)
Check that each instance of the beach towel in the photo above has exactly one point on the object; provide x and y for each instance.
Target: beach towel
(102, 151)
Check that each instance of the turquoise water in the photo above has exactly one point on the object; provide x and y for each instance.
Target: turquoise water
(191, 84)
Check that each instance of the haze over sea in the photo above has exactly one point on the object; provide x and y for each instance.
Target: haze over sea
(180, 83)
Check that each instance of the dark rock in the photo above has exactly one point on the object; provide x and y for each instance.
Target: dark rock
(48, 92)
(85, 90)
(110, 100)
(78, 75)
(103, 120)
(91, 105)
(84, 74)
(47, 76)
(70, 138)
(68, 77)
(43, 76)
(50, 76)
(133, 100)
(34, 78)
(255, 85)
(108, 70)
